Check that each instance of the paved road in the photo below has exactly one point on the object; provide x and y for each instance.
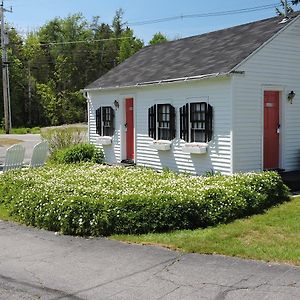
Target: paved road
(35, 264)
(29, 140)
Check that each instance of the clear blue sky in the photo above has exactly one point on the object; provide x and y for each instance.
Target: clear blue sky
(30, 14)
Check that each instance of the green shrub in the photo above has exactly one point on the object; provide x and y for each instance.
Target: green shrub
(86, 199)
(79, 153)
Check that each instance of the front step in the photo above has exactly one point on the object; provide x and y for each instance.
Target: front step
(127, 163)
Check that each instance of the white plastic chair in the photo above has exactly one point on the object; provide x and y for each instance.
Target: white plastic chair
(14, 158)
(39, 155)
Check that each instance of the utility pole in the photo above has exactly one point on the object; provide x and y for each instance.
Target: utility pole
(5, 71)
(29, 94)
(285, 8)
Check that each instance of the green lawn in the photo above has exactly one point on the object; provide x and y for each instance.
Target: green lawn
(273, 236)
(22, 130)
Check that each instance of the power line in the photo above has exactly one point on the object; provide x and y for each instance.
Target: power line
(166, 19)
(85, 41)
(204, 15)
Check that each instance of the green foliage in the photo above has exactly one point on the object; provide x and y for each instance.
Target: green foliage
(63, 137)
(62, 108)
(128, 45)
(79, 153)
(87, 199)
(23, 130)
(48, 70)
(158, 38)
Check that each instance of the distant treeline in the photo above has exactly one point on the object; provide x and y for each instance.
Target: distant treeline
(48, 67)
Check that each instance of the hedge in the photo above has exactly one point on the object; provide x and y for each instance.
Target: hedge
(78, 153)
(94, 200)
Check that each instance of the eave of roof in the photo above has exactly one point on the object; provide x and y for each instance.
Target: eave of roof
(162, 82)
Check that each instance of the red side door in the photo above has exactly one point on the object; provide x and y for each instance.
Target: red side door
(129, 129)
(271, 130)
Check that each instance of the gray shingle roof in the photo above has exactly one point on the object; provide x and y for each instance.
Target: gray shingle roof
(215, 52)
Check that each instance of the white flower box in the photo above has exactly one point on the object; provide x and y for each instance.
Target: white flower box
(104, 140)
(161, 145)
(195, 148)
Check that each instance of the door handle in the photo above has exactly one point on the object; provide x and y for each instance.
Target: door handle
(278, 128)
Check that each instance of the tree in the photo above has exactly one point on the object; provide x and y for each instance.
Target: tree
(50, 66)
(158, 38)
(18, 81)
(129, 45)
(117, 23)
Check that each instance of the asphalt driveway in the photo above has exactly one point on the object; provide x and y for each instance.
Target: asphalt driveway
(36, 264)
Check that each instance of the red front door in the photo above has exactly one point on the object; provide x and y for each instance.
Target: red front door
(129, 129)
(271, 130)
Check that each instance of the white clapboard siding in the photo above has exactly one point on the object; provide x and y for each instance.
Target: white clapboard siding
(276, 66)
(218, 158)
(217, 92)
(112, 152)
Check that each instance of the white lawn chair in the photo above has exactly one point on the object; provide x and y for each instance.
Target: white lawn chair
(14, 158)
(39, 155)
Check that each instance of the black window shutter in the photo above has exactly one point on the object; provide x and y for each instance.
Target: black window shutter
(172, 122)
(98, 121)
(184, 122)
(152, 122)
(112, 118)
(209, 123)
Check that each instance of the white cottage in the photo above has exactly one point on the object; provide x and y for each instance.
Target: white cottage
(226, 101)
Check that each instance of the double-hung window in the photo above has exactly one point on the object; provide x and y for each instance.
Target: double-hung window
(161, 122)
(105, 121)
(196, 122)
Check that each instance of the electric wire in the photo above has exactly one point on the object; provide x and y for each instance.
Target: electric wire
(211, 14)
(166, 19)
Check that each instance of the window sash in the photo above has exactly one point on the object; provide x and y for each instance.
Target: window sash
(166, 122)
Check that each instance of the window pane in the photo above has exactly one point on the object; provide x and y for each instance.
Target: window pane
(163, 134)
(163, 121)
(197, 135)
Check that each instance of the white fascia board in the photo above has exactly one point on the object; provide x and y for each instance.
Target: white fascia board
(162, 82)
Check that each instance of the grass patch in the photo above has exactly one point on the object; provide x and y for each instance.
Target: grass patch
(4, 142)
(274, 236)
(23, 130)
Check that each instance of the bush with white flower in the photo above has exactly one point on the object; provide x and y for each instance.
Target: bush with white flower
(87, 199)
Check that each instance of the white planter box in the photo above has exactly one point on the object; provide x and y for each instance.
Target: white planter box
(196, 148)
(104, 140)
(161, 145)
